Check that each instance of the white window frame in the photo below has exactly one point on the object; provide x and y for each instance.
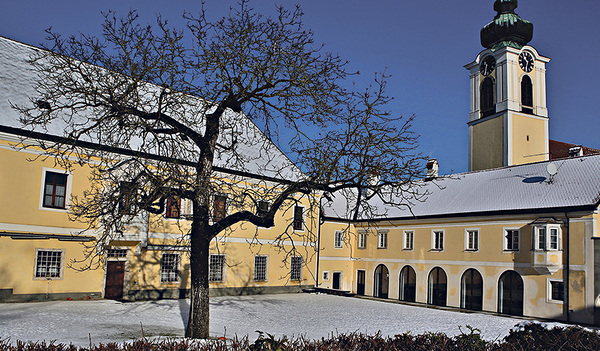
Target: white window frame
(437, 239)
(472, 245)
(338, 239)
(325, 276)
(546, 244)
(223, 265)
(382, 239)
(293, 267)
(505, 243)
(408, 240)
(549, 291)
(61, 267)
(115, 253)
(67, 190)
(266, 269)
(177, 269)
(362, 240)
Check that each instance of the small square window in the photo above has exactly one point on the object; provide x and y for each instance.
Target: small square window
(382, 240)
(48, 264)
(409, 240)
(339, 240)
(169, 268)
(325, 275)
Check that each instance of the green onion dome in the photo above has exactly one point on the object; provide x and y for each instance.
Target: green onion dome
(507, 28)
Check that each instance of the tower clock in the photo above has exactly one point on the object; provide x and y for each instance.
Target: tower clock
(508, 119)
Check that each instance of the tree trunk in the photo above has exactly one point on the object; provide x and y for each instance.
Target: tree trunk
(198, 322)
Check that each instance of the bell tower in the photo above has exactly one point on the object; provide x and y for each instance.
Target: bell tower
(508, 119)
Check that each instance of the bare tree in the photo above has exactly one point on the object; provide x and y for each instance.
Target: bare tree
(173, 99)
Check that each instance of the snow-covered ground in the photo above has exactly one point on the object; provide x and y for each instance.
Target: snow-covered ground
(311, 315)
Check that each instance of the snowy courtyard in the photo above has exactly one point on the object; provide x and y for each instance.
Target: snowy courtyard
(313, 316)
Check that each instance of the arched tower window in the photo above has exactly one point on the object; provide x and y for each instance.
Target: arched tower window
(526, 95)
(487, 100)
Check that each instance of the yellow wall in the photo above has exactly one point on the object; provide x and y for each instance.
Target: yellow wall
(17, 259)
(529, 140)
(491, 261)
(487, 146)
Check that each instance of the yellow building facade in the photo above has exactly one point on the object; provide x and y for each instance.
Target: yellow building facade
(43, 249)
(518, 234)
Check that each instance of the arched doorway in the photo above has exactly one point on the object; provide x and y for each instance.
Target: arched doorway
(382, 282)
(472, 290)
(437, 287)
(510, 293)
(408, 284)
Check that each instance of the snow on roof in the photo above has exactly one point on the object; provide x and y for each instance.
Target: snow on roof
(262, 157)
(527, 187)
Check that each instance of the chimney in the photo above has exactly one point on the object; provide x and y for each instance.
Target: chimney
(432, 169)
(576, 151)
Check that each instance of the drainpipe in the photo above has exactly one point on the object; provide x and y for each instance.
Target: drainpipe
(566, 269)
(319, 222)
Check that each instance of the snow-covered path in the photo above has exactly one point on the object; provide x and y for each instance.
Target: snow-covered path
(311, 315)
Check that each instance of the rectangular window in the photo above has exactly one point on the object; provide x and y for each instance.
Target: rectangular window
(216, 267)
(55, 190)
(409, 240)
(169, 268)
(382, 240)
(116, 253)
(173, 207)
(557, 290)
(325, 275)
(127, 197)
(541, 238)
(298, 223)
(553, 239)
(262, 207)
(437, 240)
(260, 268)
(48, 264)
(296, 268)
(472, 240)
(362, 240)
(219, 207)
(511, 239)
(339, 240)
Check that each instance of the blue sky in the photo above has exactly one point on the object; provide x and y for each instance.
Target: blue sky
(423, 44)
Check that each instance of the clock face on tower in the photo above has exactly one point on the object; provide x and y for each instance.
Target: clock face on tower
(526, 61)
(487, 65)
